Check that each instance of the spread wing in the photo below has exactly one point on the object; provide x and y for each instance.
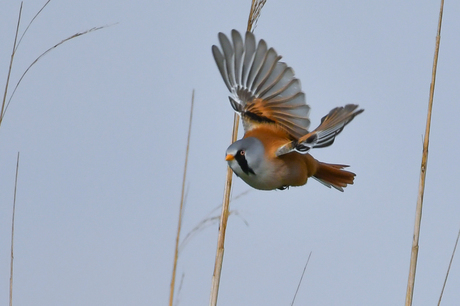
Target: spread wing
(324, 135)
(262, 88)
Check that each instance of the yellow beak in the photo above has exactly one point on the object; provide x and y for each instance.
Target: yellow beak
(229, 157)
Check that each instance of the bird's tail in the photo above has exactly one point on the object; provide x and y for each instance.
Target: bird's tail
(332, 175)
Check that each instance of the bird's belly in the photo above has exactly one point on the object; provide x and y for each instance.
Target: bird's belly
(262, 183)
(290, 170)
(276, 177)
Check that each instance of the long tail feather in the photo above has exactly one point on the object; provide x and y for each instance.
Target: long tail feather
(332, 175)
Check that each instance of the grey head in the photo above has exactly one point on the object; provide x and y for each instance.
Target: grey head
(245, 156)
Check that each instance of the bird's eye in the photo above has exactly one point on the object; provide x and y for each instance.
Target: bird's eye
(242, 152)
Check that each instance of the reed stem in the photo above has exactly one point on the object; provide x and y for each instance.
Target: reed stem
(421, 190)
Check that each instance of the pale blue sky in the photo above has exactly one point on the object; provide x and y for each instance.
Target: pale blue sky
(101, 124)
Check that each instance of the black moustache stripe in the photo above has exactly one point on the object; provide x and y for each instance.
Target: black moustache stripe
(243, 164)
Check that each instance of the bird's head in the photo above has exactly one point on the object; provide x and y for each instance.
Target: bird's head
(245, 155)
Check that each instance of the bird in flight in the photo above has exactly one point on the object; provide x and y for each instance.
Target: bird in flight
(274, 152)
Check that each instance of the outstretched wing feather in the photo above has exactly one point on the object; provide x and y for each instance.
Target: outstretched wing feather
(254, 75)
(249, 52)
(257, 63)
(238, 46)
(220, 61)
(229, 58)
(271, 58)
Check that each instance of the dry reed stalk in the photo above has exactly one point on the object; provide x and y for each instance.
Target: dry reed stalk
(418, 213)
(5, 104)
(2, 112)
(301, 278)
(254, 14)
(448, 269)
(223, 225)
(46, 52)
(176, 251)
(12, 232)
(31, 21)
